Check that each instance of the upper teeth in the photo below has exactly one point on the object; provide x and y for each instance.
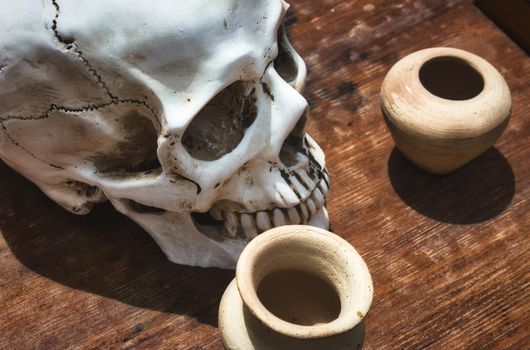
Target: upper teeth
(249, 225)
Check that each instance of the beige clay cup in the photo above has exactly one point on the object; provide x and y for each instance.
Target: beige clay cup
(444, 107)
(296, 287)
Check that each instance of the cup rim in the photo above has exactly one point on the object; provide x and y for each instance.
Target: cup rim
(355, 302)
(410, 105)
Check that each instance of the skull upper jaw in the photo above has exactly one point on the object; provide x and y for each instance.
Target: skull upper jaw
(263, 195)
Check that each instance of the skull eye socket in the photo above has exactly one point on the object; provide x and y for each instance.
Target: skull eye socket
(220, 126)
(285, 64)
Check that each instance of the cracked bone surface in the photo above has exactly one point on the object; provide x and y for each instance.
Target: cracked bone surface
(187, 117)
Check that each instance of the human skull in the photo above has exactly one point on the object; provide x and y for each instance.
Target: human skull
(186, 116)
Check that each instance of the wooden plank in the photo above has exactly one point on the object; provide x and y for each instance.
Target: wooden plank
(449, 255)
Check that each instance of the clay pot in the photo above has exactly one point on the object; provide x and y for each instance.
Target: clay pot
(296, 287)
(444, 107)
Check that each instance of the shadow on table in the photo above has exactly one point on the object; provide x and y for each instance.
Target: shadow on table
(477, 192)
(102, 253)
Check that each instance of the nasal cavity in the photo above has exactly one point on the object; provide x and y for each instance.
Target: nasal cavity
(294, 143)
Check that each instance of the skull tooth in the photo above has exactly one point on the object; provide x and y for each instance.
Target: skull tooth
(326, 176)
(311, 206)
(300, 189)
(231, 224)
(278, 217)
(263, 221)
(287, 194)
(249, 226)
(302, 174)
(323, 187)
(304, 214)
(318, 197)
(294, 218)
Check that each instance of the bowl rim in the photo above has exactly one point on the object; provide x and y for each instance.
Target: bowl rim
(355, 301)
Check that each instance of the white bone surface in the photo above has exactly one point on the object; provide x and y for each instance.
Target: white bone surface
(167, 109)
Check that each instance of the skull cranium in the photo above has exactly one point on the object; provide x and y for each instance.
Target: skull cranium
(187, 117)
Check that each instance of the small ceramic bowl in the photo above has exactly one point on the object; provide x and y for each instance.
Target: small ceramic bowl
(444, 107)
(296, 287)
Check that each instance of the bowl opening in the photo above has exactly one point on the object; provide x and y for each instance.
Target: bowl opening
(451, 78)
(304, 282)
(299, 297)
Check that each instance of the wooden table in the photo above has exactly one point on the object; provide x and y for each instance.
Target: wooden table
(449, 255)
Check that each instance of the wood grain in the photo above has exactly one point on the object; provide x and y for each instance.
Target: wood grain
(449, 255)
